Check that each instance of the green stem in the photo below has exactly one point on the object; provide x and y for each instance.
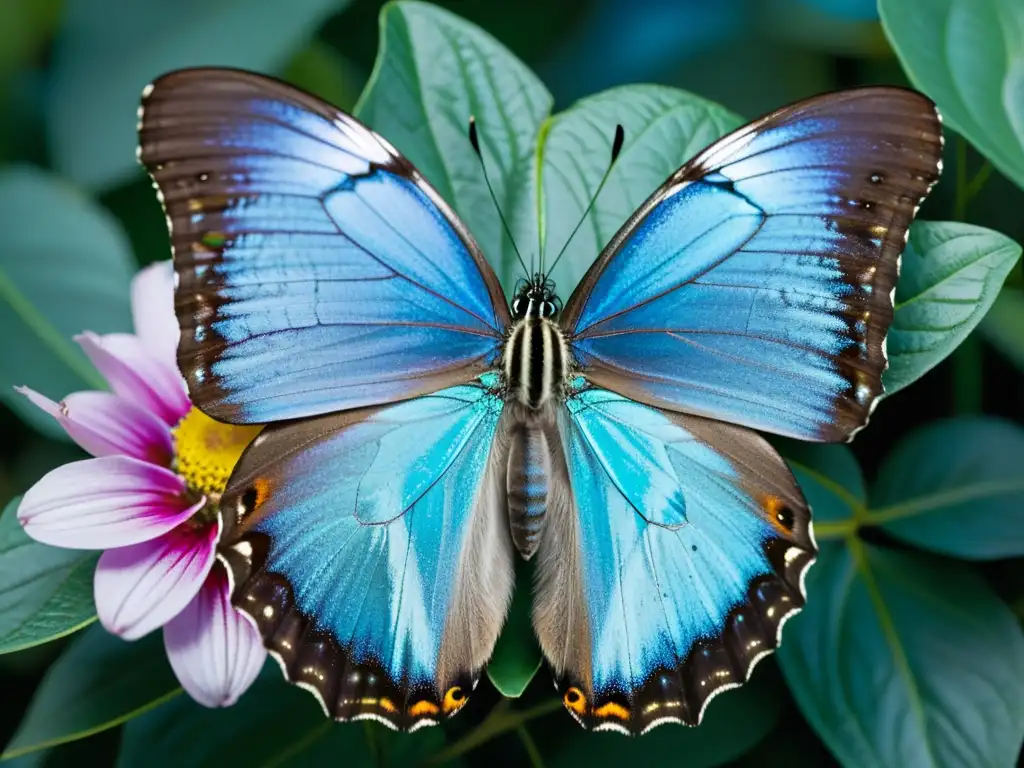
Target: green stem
(942, 499)
(968, 384)
(960, 202)
(838, 529)
(297, 747)
(530, 746)
(501, 720)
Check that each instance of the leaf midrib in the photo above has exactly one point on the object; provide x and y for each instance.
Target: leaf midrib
(47, 334)
(858, 552)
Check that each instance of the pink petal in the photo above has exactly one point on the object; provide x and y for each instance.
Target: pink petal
(137, 374)
(214, 650)
(153, 310)
(142, 587)
(109, 502)
(107, 425)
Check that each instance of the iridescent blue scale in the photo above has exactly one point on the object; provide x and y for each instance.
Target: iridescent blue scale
(421, 433)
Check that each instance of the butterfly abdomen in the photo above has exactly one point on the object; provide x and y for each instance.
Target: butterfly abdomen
(535, 361)
(529, 470)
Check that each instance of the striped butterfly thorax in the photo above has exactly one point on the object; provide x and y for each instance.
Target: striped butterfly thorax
(535, 360)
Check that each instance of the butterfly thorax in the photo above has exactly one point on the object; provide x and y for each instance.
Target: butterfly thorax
(535, 359)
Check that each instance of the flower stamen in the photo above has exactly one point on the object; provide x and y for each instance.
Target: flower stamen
(206, 451)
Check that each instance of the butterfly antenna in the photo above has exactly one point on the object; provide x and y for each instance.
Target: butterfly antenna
(620, 136)
(474, 139)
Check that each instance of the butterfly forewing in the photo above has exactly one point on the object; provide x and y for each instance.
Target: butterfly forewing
(756, 286)
(316, 269)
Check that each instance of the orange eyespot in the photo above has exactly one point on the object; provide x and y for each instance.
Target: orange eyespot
(779, 515)
(424, 708)
(454, 700)
(611, 709)
(575, 701)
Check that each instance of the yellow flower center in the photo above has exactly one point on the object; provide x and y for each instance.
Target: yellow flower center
(206, 451)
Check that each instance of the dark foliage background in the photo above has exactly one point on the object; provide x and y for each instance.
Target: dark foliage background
(73, 207)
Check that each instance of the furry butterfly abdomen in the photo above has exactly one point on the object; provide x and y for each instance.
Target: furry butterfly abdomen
(422, 430)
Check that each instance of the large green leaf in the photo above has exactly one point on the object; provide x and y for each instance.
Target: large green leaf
(433, 72)
(517, 656)
(901, 660)
(274, 723)
(968, 56)
(952, 272)
(664, 127)
(735, 721)
(97, 683)
(65, 267)
(1003, 326)
(45, 592)
(108, 50)
(956, 487)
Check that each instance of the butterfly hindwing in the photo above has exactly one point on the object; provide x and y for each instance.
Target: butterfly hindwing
(756, 286)
(316, 269)
(371, 550)
(668, 564)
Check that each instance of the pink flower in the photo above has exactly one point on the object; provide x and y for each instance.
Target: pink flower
(149, 499)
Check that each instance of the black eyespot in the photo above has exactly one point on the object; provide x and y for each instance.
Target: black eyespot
(572, 696)
(457, 694)
(785, 518)
(249, 499)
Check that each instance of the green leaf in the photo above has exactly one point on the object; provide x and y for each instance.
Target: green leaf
(45, 592)
(664, 127)
(108, 50)
(832, 483)
(735, 721)
(65, 267)
(899, 659)
(968, 56)
(956, 487)
(517, 656)
(1003, 326)
(952, 272)
(274, 723)
(97, 683)
(433, 72)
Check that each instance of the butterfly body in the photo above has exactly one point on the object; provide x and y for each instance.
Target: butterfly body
(423, 431)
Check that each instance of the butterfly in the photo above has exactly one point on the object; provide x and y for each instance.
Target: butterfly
(424, 432)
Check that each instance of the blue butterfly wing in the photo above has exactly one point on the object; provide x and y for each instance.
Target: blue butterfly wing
(316, 269)
(668, 566)
(756, 286)
(371, 550)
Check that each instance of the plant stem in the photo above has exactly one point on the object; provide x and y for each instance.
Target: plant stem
(530, 746)
(967, 377)
(501, 720)
(968, 384)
